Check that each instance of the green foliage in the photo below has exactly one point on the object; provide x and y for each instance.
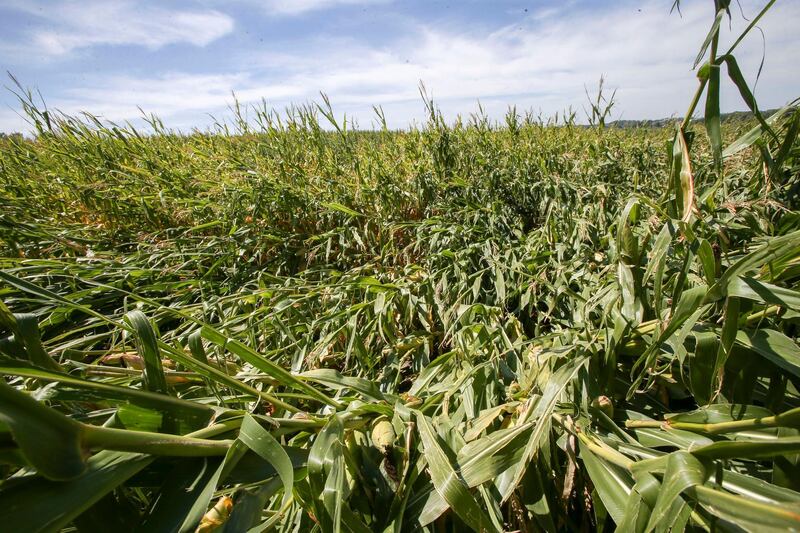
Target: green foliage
(517, 326)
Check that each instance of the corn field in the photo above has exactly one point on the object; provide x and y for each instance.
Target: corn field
(288, 324)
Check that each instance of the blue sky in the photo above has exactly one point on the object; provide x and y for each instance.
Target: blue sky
(181, 59)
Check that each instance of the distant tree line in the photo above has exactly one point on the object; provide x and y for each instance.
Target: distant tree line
(16, 136)
(661, 122)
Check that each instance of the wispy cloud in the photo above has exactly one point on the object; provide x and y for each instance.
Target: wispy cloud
(543, 61)
(72, 25)
(297, 7)
(11, 121)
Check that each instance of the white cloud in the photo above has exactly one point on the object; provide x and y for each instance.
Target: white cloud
(120, 98)
(544, 62)
(541, 62)
(297, 7)
(72, 25)
(11, 121)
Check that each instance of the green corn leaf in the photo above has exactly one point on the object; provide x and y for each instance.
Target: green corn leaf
(752, 135)
(447, 482)
(264, 364)
(736, 76)
(763, 292)
(730, 329)
(484, 459)
(50, 441)
(775, 249)
(706, 255)
(714, 414)
(639, 505)
(658, 252)
(757, 449)
(789, 140)
(27, 327)
(261, 442)
(773, 346)
(181, 408)
(714, 31)
(196, 347)
(682, 181)
(342, 209)
(674, 438)
(326, 474)
(154, 378)
(748, 513)
(682, 472)
(754, 488)
(612, 484)
(701, 365)
(7, 319)
(335, 380)
(712, 118)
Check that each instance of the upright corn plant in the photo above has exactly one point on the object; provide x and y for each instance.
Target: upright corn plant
(519, 328)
